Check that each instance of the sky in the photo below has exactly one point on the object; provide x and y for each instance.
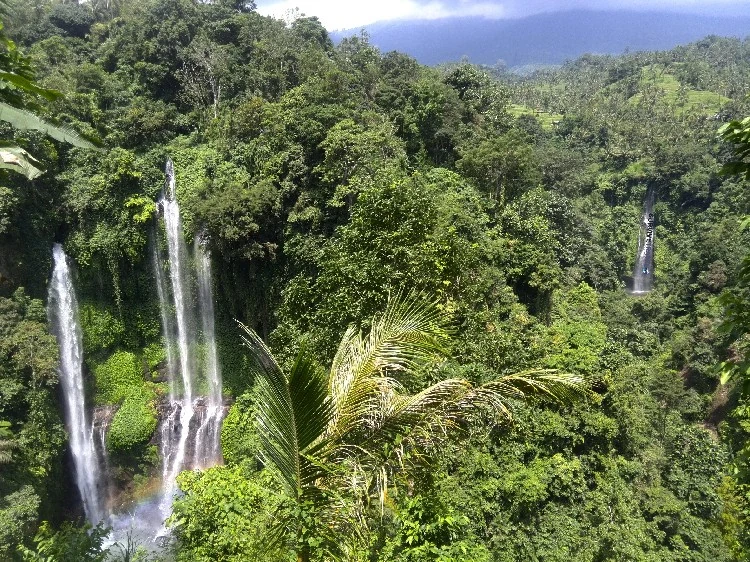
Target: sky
(347, 14)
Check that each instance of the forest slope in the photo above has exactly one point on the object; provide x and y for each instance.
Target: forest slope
(326, 178)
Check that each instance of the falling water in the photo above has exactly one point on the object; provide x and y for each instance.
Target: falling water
(177, 251)
(207, 450)
(643, 272)
(189, 431)
(63, 313)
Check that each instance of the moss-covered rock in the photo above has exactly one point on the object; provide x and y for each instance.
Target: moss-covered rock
(133, 424)
(118, 377)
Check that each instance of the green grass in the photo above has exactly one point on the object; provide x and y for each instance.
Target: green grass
(547, 120)
(683, 100)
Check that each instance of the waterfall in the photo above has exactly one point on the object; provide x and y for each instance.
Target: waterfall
(189, 432)
(63, 315)
(643, 272)
(207, 447)
(181, 399)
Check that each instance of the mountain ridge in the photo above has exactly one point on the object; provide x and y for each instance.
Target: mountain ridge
(549, 38)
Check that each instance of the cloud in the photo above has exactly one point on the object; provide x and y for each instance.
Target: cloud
(347, 14)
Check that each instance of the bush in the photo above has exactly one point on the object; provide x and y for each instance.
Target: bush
(133, 424)
(239, 441)
(101, 329)
(224, 514)
(117, 378)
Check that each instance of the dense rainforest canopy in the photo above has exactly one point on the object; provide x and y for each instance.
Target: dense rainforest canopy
(327, 179)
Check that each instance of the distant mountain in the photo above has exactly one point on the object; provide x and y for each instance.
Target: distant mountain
(549, 38)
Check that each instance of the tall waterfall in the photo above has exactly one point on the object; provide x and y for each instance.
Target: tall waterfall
(63, 315)
(207, 449)
(643, 272)
(189, 432)
(181, 399)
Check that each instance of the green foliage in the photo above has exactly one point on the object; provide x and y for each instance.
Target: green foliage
(102, 330)
(68, 544)
(225, 514)
(311, 171)
(322, 434)
(134, 422)
(18, 514)
(239, 440)
(118, 377)
(430, 530)
(32, 432)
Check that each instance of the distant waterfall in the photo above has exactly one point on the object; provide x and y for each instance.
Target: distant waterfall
(63, 315)
(643, 272)
(189, 432)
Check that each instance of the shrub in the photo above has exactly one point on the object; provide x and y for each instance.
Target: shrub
(101, 329)
(133, 424)
(239, 440)
(117, 378)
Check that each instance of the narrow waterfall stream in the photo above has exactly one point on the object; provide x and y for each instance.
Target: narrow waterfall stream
(207, 446)
(181, 395)
(643, 271)
(63, 315)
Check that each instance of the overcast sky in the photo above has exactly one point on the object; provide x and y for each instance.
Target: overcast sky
(345, 14)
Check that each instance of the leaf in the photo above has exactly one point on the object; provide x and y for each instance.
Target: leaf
(28, 86)
(26, 120)
(17, 159)
(291, 413)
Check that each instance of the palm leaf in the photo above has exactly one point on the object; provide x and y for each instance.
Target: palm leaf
(292, 413)
(18, 160)
(422, 422)
(28, 86)
(410, 332)
(26, 120)
(528, 385)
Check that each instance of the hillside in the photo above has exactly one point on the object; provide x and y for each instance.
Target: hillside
(265, 297)
(546, 38)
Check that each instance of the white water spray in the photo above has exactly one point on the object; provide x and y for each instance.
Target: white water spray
(643, 272)
(63, 314)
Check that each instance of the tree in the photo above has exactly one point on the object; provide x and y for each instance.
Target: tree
(16, 84)
(206, 65)
(736, 302)
(335, 441)
(502, 166)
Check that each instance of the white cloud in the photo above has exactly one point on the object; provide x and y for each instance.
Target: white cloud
(343, 14)
(346, 14)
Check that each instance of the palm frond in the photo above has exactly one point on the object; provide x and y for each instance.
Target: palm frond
(27, 85)
(274, 415)
(18, 160)
(408, 427)
(292, 413)
(527, 385)
(26, 120)
(409, 333)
